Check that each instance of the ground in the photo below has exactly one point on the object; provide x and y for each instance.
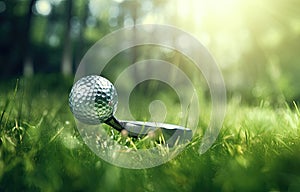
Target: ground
(40, 148)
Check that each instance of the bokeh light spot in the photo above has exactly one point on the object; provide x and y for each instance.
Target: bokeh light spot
(43, 7)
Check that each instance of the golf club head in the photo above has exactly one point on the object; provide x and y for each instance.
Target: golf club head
(173, 134)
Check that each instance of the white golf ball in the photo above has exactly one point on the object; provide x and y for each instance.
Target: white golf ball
(93, 99)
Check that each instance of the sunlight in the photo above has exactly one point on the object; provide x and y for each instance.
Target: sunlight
(214, 14)
(43, 7)
(227, 26)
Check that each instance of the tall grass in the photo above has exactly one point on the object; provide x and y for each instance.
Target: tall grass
(41, 150)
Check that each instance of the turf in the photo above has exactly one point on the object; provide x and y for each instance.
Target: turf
(258, 148)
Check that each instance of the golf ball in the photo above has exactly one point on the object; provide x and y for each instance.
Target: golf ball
(93, 99)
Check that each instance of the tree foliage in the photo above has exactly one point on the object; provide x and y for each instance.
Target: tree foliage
(255, 43)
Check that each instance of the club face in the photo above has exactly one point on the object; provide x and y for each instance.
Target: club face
(173, 134)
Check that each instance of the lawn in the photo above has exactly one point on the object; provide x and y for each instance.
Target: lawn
(258, 148)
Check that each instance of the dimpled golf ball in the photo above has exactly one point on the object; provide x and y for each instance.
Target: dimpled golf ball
(93, 99)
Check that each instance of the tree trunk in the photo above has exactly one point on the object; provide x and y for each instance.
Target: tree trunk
(80, 48)
(66, 65)
(27, 57)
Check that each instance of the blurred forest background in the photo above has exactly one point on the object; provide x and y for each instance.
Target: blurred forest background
(255, 43)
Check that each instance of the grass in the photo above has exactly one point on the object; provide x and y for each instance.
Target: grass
(258, 149)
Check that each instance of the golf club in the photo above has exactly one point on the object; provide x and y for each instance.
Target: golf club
(93, 100)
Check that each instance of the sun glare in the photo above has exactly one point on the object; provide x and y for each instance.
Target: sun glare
(43, 7)
(228, 27)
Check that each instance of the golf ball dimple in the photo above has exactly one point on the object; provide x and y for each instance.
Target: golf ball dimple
(93, 99)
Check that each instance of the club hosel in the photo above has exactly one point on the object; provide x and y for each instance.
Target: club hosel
(113, 122)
